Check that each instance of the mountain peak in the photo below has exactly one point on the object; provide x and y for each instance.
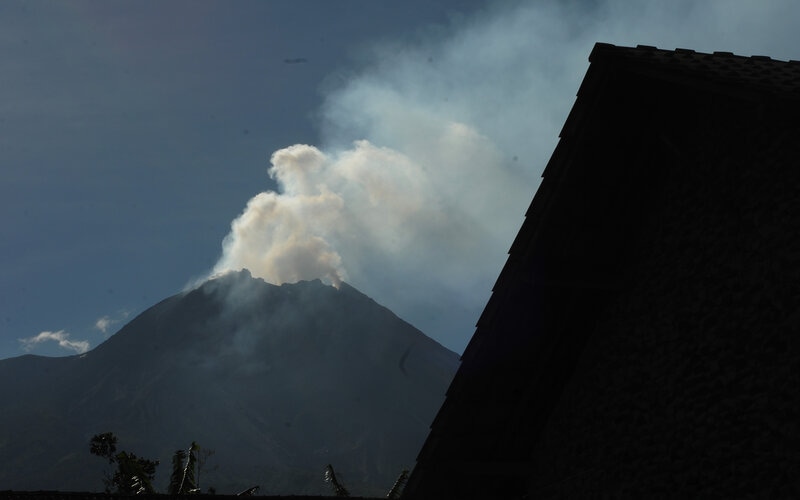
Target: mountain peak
(234, 279)
(279, 380)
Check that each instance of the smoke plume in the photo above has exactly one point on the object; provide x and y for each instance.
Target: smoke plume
(433, 148)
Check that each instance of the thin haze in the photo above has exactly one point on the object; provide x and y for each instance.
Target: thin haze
(428, 149)
(432, 152)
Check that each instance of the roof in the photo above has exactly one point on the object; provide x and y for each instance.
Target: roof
(758, 72)
(644, 118)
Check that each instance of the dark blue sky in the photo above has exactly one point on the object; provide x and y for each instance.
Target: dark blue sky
(133, 133)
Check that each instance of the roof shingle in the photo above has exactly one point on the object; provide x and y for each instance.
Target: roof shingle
(761, 72)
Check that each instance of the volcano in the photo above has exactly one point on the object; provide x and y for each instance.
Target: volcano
(278, 381)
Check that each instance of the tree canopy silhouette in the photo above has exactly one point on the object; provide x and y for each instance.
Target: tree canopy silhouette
(184, 477)
(133, 475)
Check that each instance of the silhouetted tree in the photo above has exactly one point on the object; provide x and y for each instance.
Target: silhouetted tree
(183, 479)
(203, 454)
(104, 445)
(249, 492)
(338, 488)
(133, 476)
(397, 489)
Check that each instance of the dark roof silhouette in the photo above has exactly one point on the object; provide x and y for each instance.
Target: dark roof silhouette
(642, 338)
(760, 73)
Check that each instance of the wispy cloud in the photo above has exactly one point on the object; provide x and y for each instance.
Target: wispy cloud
(61, 337)
(105, 323)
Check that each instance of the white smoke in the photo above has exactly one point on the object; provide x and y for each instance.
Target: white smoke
(434, 149)
(402, 228)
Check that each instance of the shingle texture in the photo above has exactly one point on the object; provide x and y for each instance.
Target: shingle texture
(758, 72)
(642, 339)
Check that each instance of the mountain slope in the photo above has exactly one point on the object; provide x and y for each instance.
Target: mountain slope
(279, 380)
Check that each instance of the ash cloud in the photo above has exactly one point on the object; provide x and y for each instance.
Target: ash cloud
(432, 150)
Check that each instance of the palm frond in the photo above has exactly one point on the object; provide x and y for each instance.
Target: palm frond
(177, 472)
(399, 484)
(184, 463)
(338, 488)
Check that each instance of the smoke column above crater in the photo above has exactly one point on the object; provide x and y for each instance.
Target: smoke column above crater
(412, 199)
(405, 229)
(432, 151)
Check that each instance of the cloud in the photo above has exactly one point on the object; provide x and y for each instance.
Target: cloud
(106, 322)
(433, 149)
(61, 337)
(103, 324)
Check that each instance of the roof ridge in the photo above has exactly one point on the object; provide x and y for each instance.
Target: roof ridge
(601, 46)
(722, 67)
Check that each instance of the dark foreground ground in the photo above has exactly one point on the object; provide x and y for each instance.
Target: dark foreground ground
(62, 495)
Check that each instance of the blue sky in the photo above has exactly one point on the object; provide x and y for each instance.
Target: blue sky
(405, 146)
